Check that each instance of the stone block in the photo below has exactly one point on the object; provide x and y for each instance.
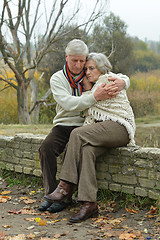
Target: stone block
(27, 170)
(120, 178)
(154, 195)
(127, 189)
(10, 166)
(114, 169)
(146, 183)
(26, 162)
(37, 172)
(115, 187)
(140, 172)
(103, 175)
(140, 192)
(102, 184)
(18, 169)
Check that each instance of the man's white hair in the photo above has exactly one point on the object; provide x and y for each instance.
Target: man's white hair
(77, 47)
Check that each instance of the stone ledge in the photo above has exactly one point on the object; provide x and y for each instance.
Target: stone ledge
(132, 170)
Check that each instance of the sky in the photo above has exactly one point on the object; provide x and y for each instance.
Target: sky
(141, 16)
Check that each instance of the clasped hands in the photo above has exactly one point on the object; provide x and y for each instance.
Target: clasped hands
(104, 91)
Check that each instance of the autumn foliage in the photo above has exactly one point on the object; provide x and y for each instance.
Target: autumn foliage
(144, 95)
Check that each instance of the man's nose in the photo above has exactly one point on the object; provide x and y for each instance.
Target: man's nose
(78, 64)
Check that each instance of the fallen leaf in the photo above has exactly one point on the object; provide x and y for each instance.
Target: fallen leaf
(126, 236)
(22, 198)
(7, 226)
(53, 216)
(57, 220)
(131, 210)
(151, 216)
(30, 236)
(18, 237)
(30, 219)
(5, 192)
(15, 212)
(153, 210)
(32, 192)
(2, 235)
(42, 222)
(37, 219)
(57, 235)
(28, 211)
(4, 199)
(29, 201)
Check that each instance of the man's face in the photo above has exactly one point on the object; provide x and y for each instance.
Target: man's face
(75, 63)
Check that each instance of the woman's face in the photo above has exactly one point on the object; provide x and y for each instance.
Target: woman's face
(92, 72)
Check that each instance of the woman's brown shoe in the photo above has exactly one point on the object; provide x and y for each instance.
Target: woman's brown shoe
(62, 192)
(88, 209)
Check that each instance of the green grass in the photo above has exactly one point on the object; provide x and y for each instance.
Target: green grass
(13, 129)
(122, 200)
(148, 120)
(21, 179)
(125, 200)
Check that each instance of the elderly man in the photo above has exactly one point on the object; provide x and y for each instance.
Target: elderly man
(67, 88)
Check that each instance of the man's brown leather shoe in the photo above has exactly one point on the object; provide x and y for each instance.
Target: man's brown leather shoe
(62, 192)
(88, 209)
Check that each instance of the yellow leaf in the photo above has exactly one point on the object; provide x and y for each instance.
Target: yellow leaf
(32, 192)
(57, 220)
(5, 192)
(37, 219)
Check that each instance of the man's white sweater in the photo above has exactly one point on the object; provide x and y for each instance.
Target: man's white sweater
(69, 107)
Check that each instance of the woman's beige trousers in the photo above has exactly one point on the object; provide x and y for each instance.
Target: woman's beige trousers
(85, 145)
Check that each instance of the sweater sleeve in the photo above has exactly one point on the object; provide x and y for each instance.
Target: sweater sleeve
(62, 94)
(125, 78)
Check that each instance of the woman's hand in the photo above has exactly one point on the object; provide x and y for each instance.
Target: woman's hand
(86, 84)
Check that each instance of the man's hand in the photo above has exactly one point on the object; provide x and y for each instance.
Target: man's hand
(86, 84)
(120, 83)
(104, 91)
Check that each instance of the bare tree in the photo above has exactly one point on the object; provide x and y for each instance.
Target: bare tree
(19, 24)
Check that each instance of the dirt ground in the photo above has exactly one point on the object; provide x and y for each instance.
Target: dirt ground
(20, 219)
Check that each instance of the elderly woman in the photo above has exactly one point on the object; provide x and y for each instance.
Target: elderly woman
(108, 124)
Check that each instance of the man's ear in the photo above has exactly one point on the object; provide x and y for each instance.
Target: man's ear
(66, 57)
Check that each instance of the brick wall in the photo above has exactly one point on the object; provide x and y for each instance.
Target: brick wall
(133, 170)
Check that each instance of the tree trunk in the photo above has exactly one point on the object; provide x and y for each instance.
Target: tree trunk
(22, 96)
(33, 100)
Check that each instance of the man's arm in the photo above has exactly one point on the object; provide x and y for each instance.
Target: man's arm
(118, 82)
(122, 81)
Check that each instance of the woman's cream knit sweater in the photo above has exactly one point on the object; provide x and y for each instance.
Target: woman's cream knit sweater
(116, 109)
